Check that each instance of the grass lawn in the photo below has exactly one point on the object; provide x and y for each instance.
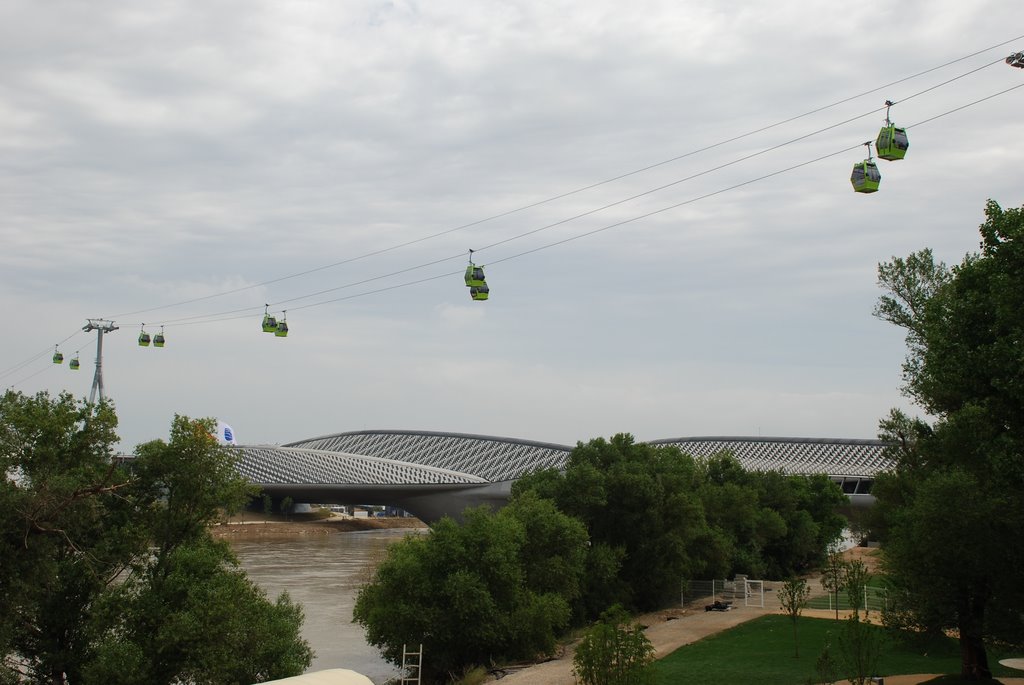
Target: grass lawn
(761, 652)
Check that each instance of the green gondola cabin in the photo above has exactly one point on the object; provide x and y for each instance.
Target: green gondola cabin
(144, 339)
(865, 177)
(892, 143)
(479, 292)
(269, 324)
(74, 364)
(58, 358)
(474, 276)
(158, 339)
(282, 329)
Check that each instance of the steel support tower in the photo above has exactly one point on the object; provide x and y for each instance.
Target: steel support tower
(101, 326)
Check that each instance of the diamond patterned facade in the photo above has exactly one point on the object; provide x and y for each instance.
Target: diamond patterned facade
(851, 463)
(295, 465)
(490, 458)
(432, 474)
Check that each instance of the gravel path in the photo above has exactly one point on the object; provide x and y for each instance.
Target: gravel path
(667, 631)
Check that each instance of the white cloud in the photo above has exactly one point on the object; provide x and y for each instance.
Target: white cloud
(154, 155)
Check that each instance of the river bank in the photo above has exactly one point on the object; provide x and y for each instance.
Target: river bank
(323, 572)
(253, 526)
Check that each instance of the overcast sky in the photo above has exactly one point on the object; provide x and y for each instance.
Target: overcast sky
(153, 153)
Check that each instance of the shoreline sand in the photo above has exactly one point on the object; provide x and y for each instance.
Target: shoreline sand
(249, 526)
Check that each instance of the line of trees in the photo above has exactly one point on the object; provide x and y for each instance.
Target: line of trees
(951, 515)
(109, 575)
(662, 516)
(623, 524)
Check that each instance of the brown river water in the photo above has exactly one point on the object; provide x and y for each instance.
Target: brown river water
(323, 573)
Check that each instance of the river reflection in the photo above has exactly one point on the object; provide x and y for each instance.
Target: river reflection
(323, 573)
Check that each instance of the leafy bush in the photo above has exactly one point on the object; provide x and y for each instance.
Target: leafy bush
(497, 587)
(614, 652)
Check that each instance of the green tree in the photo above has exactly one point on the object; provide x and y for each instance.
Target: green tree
(793, 596)
(773, 525)
(860, 648)
(614, 652)
(741, 529)
(90, 549)
(809, 507)
(190, 586)
(661, 517)
(553, 551)
(195, 617)
(950, 514)
(832, 574)
(498, 586)
(191, 480)
(786, 525)
(855, 581)
(860, 644)
(825, 665)
(67, 530)
(641, 507)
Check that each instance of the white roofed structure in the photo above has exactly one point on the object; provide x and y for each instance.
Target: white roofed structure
(433, 474)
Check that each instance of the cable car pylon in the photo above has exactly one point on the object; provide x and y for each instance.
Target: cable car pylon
(101, 326)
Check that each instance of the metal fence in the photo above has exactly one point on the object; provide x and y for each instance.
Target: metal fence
(740, 591)
(873, 599)
(745, 592)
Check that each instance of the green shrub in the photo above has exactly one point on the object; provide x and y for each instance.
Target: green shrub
(614, 652)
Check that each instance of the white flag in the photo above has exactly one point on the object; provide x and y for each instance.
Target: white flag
(225, 434)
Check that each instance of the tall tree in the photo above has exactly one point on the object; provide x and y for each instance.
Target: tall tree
(194, 616)
(641, 505)
(153, 626)
(91, 550)
(793, 597)
(66, 529)
(950, 514)
(498, 586)
(832, 574)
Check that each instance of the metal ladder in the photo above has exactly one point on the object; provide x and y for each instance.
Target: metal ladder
(411, 669)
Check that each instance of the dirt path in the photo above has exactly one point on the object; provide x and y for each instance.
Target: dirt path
(667, 631)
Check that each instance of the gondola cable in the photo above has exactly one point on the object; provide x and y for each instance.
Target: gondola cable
(35, 357)
(590, 212)
(661, 210)
(227, 315)
(208, 319)
(587, 187)
(606, 206)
